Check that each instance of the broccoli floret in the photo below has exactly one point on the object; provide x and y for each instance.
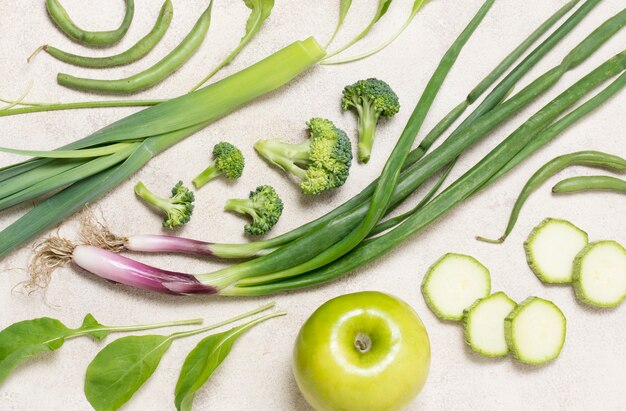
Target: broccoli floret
(321, 163)
(177, 208)
(371, 98)
(227, 161)
(263, 205)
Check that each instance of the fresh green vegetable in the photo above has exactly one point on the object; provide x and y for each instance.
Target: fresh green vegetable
(472, 182)
(260, 10)
(205, 358)
(228, 161)
(153, 75)
(580, 158)
(344, 8)
(134, 53)
(263, 205)
(26, 339)
(124, 365)
(178, 208)
(158, 128)
(381, 10)
(321, 163)
(551, 248)
(417, 6)
(535, 331)
(371, 99)
(453, 284)
(483, 324)
(586, 183)
(89, 38)
(600, 274)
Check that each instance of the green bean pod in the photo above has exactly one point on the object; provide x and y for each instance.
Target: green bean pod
(134, 53)
(89, 38)
(581, 158)
(588, 183)
(151, 76)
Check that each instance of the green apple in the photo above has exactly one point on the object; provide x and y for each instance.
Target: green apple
(362, 351)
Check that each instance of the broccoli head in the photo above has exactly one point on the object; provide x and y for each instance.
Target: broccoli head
(227, 161)
(177, 208)
(263, 205)
(321, 163)
(371, 98)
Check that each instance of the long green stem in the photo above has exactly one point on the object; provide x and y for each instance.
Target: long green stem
(463, 188)
(265, 307)
(44, 107)
(589, 183)
(581, 158)
(128, 328)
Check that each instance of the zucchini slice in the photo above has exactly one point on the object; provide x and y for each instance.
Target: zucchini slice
(535, 331)
(453, 283)
(483, 324)
(551, 248)
(600, 274)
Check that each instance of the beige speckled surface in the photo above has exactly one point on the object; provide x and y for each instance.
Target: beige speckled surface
(590, 373)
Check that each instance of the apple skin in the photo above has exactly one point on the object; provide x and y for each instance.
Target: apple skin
(334, 374)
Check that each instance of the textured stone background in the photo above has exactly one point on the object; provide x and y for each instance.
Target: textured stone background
(589, 373)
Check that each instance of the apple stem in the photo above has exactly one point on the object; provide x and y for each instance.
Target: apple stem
(362, 342)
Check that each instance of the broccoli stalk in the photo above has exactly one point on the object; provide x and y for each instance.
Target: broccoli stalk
(227, 161)
(372, 99)
(263, 205)
(177, 208)
(321, 163)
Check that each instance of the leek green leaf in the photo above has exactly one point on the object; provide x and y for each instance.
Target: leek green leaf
(83, 153)
(344, 8)
(381, 10)
(417, 6)
(260, 11)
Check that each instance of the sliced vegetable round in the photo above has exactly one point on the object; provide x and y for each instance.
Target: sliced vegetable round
(551, 248)
(600, 274)
(483, 324)
(453, 283)
(535, 331)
